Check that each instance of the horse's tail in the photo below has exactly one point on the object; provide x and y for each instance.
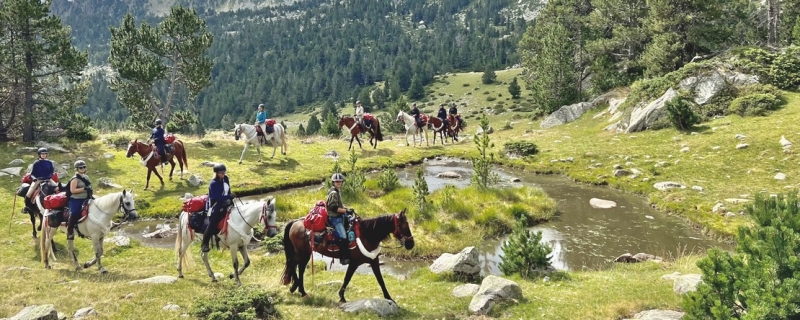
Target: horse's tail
(183, 156)
(290, 270)
(184, 259)
(378, 133)
(45, 248)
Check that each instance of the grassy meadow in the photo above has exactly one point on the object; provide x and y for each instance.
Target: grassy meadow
(723, 173)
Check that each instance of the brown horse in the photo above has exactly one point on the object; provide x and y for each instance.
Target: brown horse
(297, 247)
(438, 126)
(355, 130)
(455, 125)
(149, 158)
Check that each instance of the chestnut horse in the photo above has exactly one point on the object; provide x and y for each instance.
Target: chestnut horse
(148, 158)
(437, 125)
(355, 129)
(297, 247)
(454, 126)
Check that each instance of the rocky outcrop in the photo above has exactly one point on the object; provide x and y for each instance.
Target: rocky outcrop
(381, 307)
(40, 312)
(119, 241)
(494, 289)
(710, 84)
(565, 114)
(686, 283)
(658, 315)
(643, 117)
(465, 262)
(668, 185)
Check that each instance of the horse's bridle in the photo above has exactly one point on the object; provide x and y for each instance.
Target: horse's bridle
(239, 131)
(399, 235)
(126, 212)
(264, 218)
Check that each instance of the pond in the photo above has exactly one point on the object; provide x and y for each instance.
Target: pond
(582, 237)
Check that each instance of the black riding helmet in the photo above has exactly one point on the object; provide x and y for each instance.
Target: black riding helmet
(219, 167)
(158, 121)
(80, 163)
(42, 150)
(337, 177)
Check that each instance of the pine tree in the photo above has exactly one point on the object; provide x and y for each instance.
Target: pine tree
(796, 33)
(483, 176)
(551, 61)
(40, 70)
(331, 126)
(488, 76)
(313, 125)
(170, 54)
(301, 131)
(364, 97)
(416, 91)
(421, 192)
(514, 89)
(524, 253)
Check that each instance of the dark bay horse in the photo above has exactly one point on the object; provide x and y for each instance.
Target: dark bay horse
(455, 125)
(354, 129)
(374, 230)
(148, 154)
(438, 127)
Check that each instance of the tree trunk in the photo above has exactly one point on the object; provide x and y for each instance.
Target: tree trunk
(773, 19)
(27, 124)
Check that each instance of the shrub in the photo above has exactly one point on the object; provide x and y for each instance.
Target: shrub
(466, 84)
(388, 180)
(482, 165)
(249, 302)
(754, 105)
(79, 128)
(524, 253)
(421, 193)
(521, 148)
(681, 115)
(760, 280)
(491, 98)
(206, 143)
(354, 186)
(519, 213)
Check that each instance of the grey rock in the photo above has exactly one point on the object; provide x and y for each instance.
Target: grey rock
(106, 182)
(37, 312)
(108, 155)
(785, 143)
(165, 232)
(465, 290)
(490, 130)
(742, 146)
(381, 307)
(195, 181)
(718, 208)
(639, 257)
(16, 162)
(621, 173)
(156, 280)
(729, 215)
(685, 149)
(515, 180)
(331, 154)
(449, 175)
(658, 315)
(84, 312)
(171, 307)
(51, 147)
(208, 164)
(698, 188)
(119, 241)
(494, 288)
(13, 171)
(566, 114)
(465, 262)
(739, 136)
(715, 148)
(780, 176)
(602, 204)
(668, 185)
(671, 276)
(686, 283)
(642, 117)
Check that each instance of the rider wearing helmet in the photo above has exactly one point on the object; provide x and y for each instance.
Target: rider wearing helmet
(42, 170)
(415, 113)
(219, 199)
(336, 210)
(158, 139)
(261, 118)
(80, 189)
(442, 115)
(359, 115)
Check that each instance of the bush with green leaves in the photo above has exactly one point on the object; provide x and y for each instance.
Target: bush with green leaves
(781, 69)
(680, 114)
(79, 128)
(388, 180)
(482, 164)
(242, 303)
(524, 253)
(520, 148)
(331, 126)
(761, 279)
(354, 186)
(754, 105)
(489, 76)
(421, 193)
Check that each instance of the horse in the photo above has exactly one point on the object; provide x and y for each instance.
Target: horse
(241, 221)
(147, 154)
(298, 249)
(455, 126)
(278, 137)
(95, 227)
(34, 206)
(355, 129)
(438, 127)
(410, 123)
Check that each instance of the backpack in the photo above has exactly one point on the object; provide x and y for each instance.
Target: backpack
(196, 204)
(68, 187)
(317, 217)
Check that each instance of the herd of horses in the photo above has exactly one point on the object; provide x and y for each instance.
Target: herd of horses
(241, 221)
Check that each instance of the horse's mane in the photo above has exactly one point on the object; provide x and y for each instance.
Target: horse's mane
(377, 229)
(103, 200)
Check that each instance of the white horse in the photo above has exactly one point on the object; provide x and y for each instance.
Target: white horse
(278, 137)
(242, 220)
(95, 227)
(411, 124)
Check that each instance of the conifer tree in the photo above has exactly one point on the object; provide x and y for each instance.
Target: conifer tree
(313, 125)
(488, 76)
(551, 61)
(514, 89)
(416, 91)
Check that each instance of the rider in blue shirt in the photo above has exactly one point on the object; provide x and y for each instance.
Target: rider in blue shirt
(442, 115)
(42, 170)
(158, 139)
(415, 113)
(219, 199)
(261, 118)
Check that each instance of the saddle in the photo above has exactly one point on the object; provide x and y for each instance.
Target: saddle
(59, 217)
(423, 120)
(169, 149)
(326, 238)
(198, 222)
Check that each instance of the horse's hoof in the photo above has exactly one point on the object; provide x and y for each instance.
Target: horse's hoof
(103, 271)
(48, 267)
(214, 280)
(180, 276)
(144, 189)
(231, 276)
(304, 296)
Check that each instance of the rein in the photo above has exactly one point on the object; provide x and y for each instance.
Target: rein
(397, 233)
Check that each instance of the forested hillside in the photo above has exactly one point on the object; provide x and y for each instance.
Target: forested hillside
(290, 55)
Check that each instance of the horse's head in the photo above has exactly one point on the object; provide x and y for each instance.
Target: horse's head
(132, 148)
(402, 231)
(127, 206)
(341, 122)
(237, 130)
(47, 188)
(400, 116)
(270, 215)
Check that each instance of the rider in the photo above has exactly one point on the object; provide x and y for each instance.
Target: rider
(80, 189)
(415, 114)
(219, 199)
(442, 115)
(454, 113)
(359, 115)
(261, 118)
(158, 139)
(336, 209)
(42, 171)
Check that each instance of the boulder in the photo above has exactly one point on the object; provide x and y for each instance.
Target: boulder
(119, 241)
(785, 143)
(711, 83)
(465, 290)
(105, 182)
(566, 114)
(643, 116)
(742, 146)
(156, 280)
(195, 181)
(84, 312)
(448, 175)
(164, 232)
(658, 315)
(480, 131)
(780, 176)
(381, 307)
(38, 312)
(718, 208)
(621, 173)
(465, 262)
(108, 155)
(16, 162)
(171, 307)
(668, 185)
(51, 147)
(13, 171)
(331, 154)
(602, 204)
(493, 288)
(686, 283)
(639, 257)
